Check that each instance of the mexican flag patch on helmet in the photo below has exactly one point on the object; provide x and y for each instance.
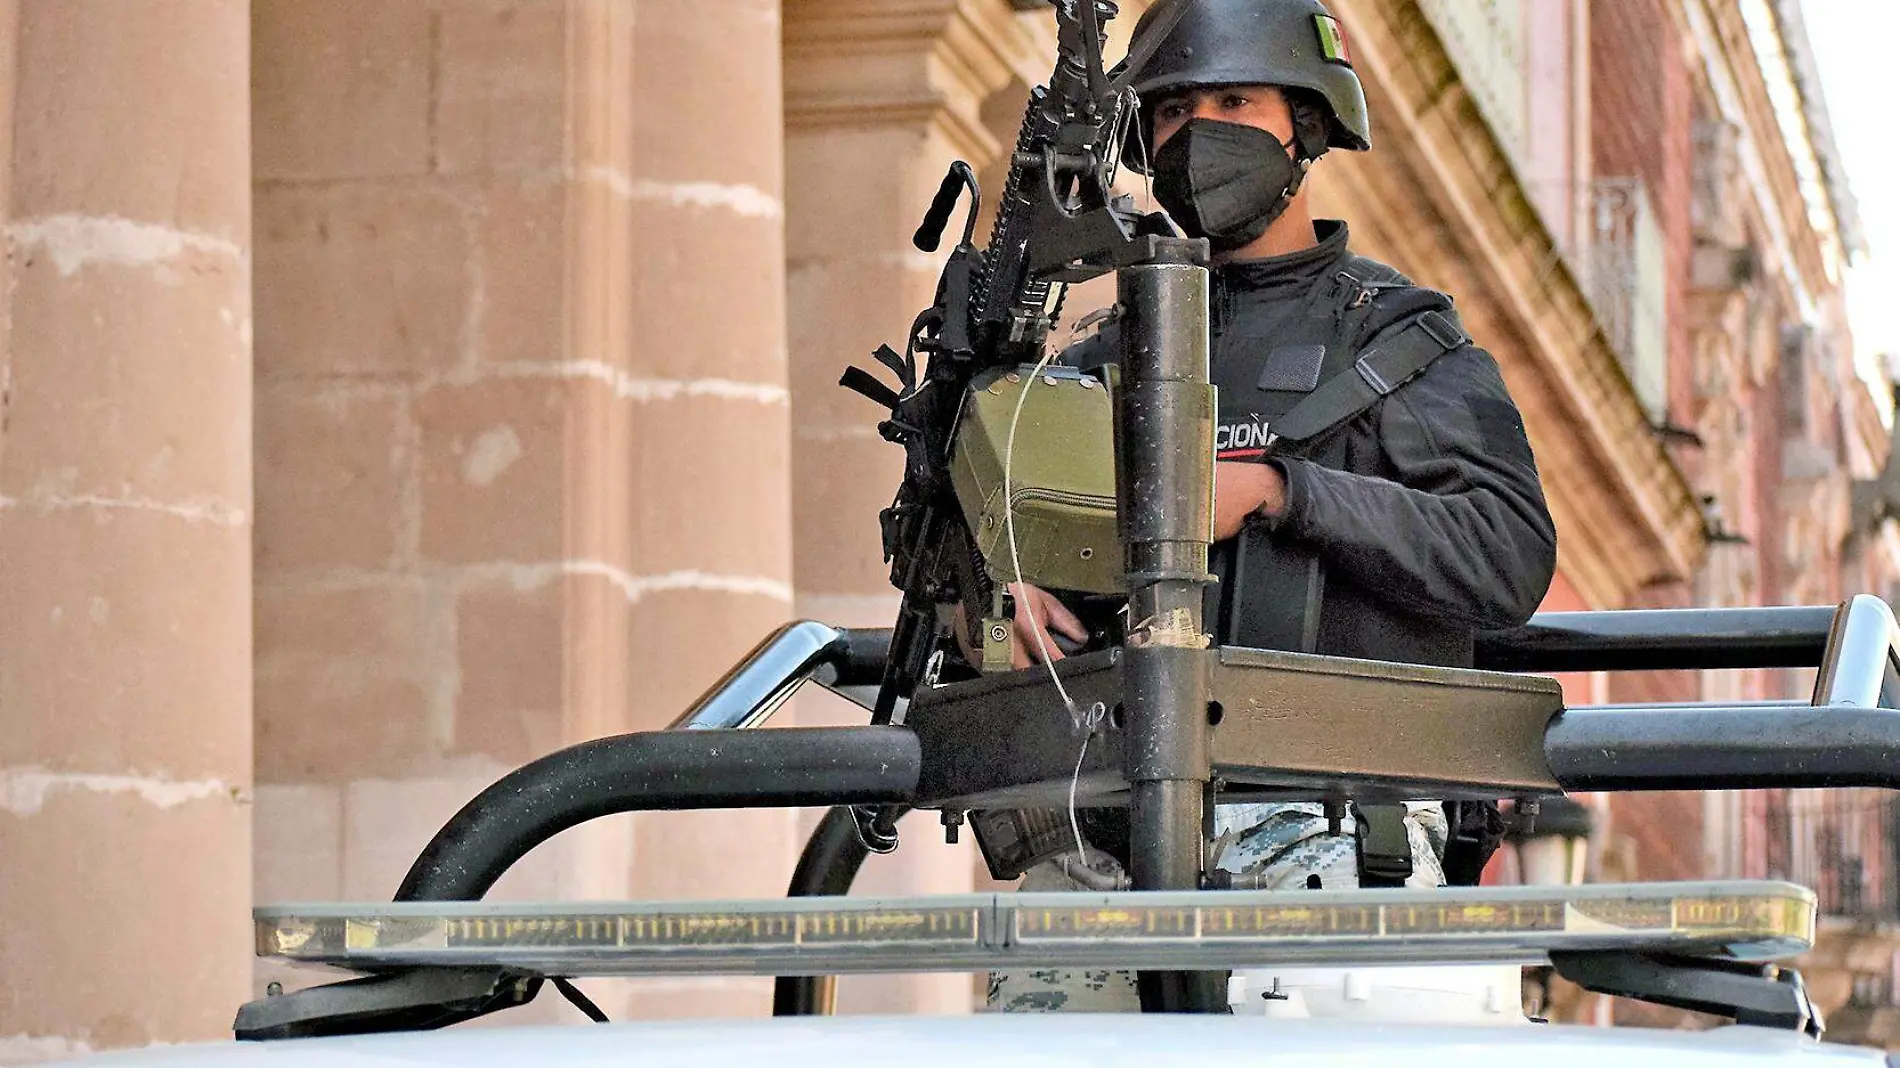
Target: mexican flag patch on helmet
(1332, 40)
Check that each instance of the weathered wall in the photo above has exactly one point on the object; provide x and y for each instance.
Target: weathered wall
(522, 420)
(9, 70)
(125, 518)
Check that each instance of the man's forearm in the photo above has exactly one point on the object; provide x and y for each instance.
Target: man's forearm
(1471, 556)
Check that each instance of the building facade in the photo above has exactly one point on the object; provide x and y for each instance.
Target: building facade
(1712, 235)
(398, 392)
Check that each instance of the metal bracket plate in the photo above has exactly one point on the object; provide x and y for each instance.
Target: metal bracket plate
(1289, 725)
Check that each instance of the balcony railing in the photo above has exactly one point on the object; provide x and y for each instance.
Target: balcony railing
(1627, 267)
(1621, 252)
(1841, 843)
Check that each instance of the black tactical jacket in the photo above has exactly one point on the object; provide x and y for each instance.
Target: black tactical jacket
(1411, 526)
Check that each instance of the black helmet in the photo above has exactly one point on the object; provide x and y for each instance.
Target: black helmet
(1294, 44)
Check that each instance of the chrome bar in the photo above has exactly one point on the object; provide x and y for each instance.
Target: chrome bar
(762, 681)
(1858, 667)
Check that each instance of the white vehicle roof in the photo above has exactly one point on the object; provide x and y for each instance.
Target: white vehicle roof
(1018, 1041)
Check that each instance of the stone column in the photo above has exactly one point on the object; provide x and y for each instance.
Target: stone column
(125, 524)
(523, 421)
(879, 99)
(711, 500)
(9, 40)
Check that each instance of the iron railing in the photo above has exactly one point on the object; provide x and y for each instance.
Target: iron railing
(1842, 844)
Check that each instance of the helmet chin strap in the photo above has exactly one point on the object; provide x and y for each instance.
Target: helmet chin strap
(1303, 165)
(1312, 124)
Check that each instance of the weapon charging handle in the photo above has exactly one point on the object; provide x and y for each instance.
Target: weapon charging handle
(930, 232)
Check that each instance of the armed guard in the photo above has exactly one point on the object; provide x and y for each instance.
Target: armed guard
(1376, 496)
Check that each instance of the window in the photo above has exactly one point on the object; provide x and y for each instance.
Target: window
(1628, 284)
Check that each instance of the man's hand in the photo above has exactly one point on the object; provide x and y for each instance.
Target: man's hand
(1241, 489)
(1024, 648)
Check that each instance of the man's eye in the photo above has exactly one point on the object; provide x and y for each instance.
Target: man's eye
(1233, 100)
(1169, 110)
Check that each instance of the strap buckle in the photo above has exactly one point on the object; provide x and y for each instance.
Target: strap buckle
(1441, 329)
(1363, 365)
(1404, 358)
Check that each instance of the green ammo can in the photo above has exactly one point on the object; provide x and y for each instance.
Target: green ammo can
(1061, 484)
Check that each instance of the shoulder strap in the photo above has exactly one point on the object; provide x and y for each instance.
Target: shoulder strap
(1390, 362)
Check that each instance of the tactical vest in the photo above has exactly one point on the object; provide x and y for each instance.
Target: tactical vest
(1321, 372)
(1366, 333)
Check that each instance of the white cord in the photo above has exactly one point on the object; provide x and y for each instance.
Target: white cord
(1085, 723)
(1147, 156)
(1009, 534)
(1093, 720)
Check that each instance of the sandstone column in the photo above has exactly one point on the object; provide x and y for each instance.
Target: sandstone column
(9, 39)
(523, 425)
(711, 497)
(879, 99)
(125, 504)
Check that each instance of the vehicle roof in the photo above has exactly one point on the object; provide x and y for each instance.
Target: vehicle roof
(1015, 1041)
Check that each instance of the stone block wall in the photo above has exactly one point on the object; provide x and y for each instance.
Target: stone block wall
(523, 422)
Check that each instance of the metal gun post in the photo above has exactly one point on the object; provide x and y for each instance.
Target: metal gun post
(1164, 426)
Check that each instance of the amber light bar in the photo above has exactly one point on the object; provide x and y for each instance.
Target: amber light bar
(1206, 929)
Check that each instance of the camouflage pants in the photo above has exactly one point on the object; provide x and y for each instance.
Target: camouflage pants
(1288, 842)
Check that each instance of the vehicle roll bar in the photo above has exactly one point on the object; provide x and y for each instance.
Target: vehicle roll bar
(1848, 734)
(653, 771)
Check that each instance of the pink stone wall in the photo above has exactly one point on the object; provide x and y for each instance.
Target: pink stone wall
(522, 466)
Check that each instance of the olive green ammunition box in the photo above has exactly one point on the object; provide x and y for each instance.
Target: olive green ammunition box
(1062, 478)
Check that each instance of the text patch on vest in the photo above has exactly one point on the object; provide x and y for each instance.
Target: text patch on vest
(1243, 439)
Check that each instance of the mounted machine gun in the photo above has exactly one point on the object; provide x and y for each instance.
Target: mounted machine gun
(951, 533)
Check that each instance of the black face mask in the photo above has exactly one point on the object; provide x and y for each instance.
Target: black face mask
(1225, 181)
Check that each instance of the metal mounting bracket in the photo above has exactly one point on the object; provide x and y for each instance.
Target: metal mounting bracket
(1755, 994)
(420, 999)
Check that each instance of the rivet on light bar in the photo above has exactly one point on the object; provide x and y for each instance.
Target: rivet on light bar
(1212, 929)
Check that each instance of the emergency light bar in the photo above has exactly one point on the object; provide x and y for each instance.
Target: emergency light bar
(1205, 929)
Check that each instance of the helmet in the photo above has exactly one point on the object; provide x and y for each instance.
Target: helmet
(1294, 44)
